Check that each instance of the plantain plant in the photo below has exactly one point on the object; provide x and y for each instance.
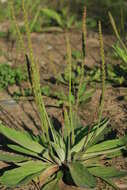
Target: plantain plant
(58, 18)
(74, 153)
(116, 74)
(120, 51)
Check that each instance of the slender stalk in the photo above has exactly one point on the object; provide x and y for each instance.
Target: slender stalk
(103, 78)
(36, 79)
(103, 75)
(69, 61)
(35, 76)
(17, 28)
(84, 34)
(116, 31)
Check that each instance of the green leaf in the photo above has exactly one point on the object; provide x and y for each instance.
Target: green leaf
(7, 157)
(106, 145)
(107, 172)
(85, 156)
(60, 152)
(120, 52)
(13, 177)
(97, 133)
(51, 14)
(81, 175)
(81, 137)
(27, 179)
(115, 154)
(77, 147)
(22, 150)
(21, 138)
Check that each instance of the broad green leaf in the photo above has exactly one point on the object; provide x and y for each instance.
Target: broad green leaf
(115, 154)
(81, 176)
(26, 162)
(55, 158)
(21, 138)
(27, 179)
(51, 14)
(60, 140)
(57, 137)
(81, 137)
(77, 147)
(97, 134)
(46, 155)
(7, 157)
(60, 152)
(107, 172)
(81, 132)
(13, 177)
(106, 145)
(22, 150)
(85, 156)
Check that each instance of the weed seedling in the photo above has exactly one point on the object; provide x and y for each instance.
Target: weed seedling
(10, 76)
